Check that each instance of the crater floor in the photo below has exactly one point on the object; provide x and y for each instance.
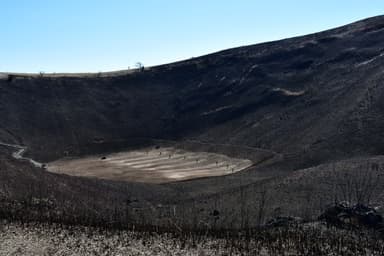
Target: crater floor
(150, 165)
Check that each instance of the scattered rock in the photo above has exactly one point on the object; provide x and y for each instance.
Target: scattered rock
(356, 216)
(283, 221)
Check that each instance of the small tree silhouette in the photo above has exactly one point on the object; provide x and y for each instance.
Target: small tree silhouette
(139, 66)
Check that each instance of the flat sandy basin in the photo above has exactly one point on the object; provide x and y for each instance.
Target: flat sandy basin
(150, 165)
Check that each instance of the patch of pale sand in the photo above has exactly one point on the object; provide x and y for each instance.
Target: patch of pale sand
(143, 156)
(133, 154)
(143, 160)
(147, 161)
(148, 165)
(287, 92)
(176, 175)
(197, 174)
(190, 166)
(180, 164)
(163, 162)
(171, 159)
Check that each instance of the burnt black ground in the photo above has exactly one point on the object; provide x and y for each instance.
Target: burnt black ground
(310, 100)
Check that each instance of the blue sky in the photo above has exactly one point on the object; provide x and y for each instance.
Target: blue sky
(102, 35)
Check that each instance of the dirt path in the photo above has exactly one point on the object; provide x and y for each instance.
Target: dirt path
(18, 154)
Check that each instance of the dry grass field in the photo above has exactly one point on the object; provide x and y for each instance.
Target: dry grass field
(309, 239)
(151, 165)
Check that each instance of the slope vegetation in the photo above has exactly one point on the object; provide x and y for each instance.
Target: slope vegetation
(285, 105)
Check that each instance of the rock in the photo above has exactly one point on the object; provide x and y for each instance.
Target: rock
(283, 221)
(345, 216)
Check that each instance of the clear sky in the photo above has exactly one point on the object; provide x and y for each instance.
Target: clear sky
(102, 35)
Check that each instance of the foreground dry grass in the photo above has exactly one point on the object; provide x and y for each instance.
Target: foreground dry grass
(54, 240)
(154, 165)
(39, 239)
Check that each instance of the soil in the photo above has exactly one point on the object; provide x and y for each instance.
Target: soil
(150, 165)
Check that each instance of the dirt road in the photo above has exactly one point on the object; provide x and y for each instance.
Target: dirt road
(18, 154)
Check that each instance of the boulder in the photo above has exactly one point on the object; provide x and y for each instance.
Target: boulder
(356, 216)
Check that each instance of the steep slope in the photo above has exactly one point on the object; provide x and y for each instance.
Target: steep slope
(315, 97)
(307, 101)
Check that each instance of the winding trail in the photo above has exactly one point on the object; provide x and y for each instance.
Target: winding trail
(18, 154)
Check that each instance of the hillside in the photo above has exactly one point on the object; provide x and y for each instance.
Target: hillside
(289, 104)
(316, 95)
